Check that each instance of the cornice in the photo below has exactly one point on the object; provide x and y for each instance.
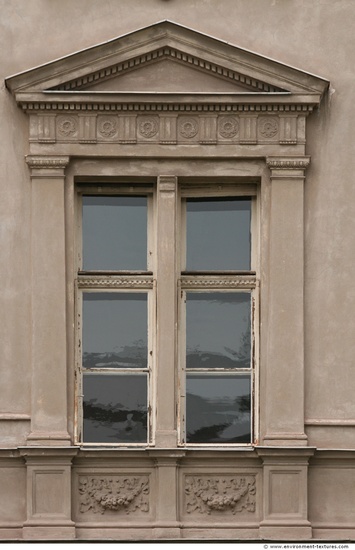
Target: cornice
(137, 102)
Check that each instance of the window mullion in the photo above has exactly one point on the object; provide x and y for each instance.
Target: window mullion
(167, 237)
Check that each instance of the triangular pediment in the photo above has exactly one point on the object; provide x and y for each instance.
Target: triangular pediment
(166, 58)
(166, 76)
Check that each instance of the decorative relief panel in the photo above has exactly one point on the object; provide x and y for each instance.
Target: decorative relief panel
(228, 494)
(228, 127)
(107, 127)
(268, 127)
(188, 127)
(148, 127)
(101, 494)
(67, 126)
(204, 128)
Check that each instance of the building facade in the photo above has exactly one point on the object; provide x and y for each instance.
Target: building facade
(178, 255)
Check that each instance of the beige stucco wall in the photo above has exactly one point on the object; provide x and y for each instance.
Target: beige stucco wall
(316, 37)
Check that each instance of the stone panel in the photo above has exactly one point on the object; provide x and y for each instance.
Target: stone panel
(13, 493)
(111, 496)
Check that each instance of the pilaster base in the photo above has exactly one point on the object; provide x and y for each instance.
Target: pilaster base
(167, 532)
(285, 440)
(57, 532)
(49, 439)
(166, 439)
(268, 531)
(10, 533)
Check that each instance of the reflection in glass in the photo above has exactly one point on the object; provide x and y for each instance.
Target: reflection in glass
(218, 409)
(114, 330)
(114, 233)
(217, 330)
(218, 234)
(115, 408)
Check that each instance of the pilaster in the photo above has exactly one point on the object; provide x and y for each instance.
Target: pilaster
(285, 493)
(48, 493)
(283, 399)
(167, 524)
(49, 347)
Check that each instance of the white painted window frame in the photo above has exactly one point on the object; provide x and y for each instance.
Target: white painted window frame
(116, 282)
(101, 282)
(220, 282)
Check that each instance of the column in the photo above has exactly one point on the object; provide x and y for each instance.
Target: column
(166, 429)
(283, 394)
(49, 344)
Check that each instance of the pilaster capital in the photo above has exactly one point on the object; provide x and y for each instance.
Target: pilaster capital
(47, 166)
(167, 184)
(288, 163)
(288, 167)
(285, 455)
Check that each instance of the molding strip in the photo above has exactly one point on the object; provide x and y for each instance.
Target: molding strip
(329, 422)
(218, 281)
(14, 416)
(114, 281)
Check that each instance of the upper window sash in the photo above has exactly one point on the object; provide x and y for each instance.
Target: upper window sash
(115, 233)
(218, 230)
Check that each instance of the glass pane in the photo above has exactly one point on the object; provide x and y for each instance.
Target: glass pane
(114, 330)
(218, 234)
(217, 330)
(115, 408)
(114, 233)
(218, 409)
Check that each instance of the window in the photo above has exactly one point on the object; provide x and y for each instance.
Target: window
(117, 328)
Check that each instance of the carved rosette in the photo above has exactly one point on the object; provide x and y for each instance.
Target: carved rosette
(268, 127)
(67, 126)
(228, 127)
(188, 127)
(225, 494)
(101, 494)
(148, 127)
(107, 127)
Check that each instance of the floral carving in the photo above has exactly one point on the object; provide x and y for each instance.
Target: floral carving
(107, 127)
(188, 128)
(117, 493)
(67, 126)
(148, 127)
(220, 494)
(269, 127)
(228, 127)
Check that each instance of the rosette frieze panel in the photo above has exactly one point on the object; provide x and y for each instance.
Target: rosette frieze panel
(170, 128)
